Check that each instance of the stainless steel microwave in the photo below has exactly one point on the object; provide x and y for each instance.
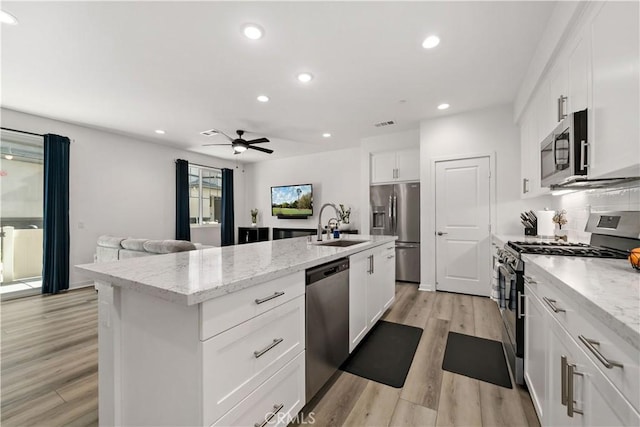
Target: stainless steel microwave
(563, 154)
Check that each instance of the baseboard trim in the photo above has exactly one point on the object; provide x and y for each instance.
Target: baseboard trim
(426, 287)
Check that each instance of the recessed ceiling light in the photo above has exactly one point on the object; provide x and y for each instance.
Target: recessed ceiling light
(8, 156)
(252, 31)
(160, 132)
(431, 42)
(443, 106)
(305, 77)
(326, 135)
(7, 18)
(263, 98)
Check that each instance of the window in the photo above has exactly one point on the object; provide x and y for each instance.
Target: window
(205, 195)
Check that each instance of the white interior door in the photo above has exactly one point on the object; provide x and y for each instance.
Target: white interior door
(463, 218)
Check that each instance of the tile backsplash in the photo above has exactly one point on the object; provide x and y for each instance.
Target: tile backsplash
(581, 203)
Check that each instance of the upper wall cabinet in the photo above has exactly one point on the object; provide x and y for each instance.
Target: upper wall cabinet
(394, 166)
(596, 68)
(615, 58)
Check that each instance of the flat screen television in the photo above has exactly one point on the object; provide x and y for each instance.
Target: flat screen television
(292, 201)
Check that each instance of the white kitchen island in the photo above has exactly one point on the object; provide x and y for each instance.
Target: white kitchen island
(209, 337)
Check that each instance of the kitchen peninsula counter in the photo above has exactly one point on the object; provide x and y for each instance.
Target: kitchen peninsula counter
(196, 276)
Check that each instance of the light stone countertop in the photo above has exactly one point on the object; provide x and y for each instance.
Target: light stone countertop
(609, 289)
(195, 276)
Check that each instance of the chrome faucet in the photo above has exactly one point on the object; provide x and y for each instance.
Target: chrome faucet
(319, 237)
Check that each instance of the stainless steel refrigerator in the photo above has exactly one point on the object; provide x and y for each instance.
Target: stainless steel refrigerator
(395, 211)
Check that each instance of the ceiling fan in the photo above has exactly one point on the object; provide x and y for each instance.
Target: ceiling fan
(240, 145)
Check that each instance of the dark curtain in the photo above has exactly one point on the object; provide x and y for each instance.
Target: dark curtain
(183, 229)
(227, 227)
(55, 263)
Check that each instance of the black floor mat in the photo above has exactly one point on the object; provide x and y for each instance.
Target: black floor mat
(385, 354)
(477, 358)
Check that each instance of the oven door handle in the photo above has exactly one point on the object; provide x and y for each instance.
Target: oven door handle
(520, 305)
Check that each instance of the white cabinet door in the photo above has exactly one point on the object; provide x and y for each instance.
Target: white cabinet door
(383, 167)
(535, 353)
(615, 52)
(388, 277)
(374, 289)
(562, 346)
(579, 64)
(359, 266)
(558, 92)
(408, 165)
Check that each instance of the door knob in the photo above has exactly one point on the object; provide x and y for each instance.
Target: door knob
(440, 233)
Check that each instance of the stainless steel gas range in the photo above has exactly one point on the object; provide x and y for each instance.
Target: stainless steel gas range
(614, 234)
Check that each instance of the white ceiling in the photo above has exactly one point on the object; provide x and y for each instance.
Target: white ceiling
(185, 67)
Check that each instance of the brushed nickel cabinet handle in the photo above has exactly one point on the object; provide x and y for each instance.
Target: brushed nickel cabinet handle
(525, 185)
(529, 280)
(390, 256)
(552, 303)
(571, 372)
(590, 344)
(563, 380)
(275, 342)
(269, 298)
(276, 409)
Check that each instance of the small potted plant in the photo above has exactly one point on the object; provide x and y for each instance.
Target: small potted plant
(254, 217)
(560, 219)
(344, 217)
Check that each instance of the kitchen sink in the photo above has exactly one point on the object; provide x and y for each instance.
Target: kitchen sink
(342, 243)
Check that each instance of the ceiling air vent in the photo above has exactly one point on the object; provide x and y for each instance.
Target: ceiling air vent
(388, 123)
(209, 132)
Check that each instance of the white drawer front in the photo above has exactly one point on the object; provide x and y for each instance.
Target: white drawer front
(275, 402)
(238, 360)
(219, 314)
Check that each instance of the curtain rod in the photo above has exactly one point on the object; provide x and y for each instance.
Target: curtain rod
(202, 166)
(22, 131)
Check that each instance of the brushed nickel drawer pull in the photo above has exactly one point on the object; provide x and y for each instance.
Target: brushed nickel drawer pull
(529, 280)
(390, 256)
(571, 371)
(552, 303)
(269, 298)
(275, 342)
(590, 344)
(276, 409)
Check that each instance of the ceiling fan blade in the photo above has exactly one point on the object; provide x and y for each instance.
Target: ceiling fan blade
(205, 145)
(257, 141)
(264, 150)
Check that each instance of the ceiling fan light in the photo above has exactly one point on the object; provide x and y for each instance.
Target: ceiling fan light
(239, 148)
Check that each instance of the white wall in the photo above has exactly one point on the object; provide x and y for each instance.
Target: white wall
(376, 144)
(480, 132)
(118, 185)
(335, 176)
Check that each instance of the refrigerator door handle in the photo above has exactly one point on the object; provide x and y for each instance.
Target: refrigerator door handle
(395, 213)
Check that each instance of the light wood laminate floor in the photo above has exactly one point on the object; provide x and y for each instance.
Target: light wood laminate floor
(430, 396)
(49, 360)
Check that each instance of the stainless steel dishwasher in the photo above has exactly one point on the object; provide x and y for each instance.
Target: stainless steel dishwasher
(327, 328)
